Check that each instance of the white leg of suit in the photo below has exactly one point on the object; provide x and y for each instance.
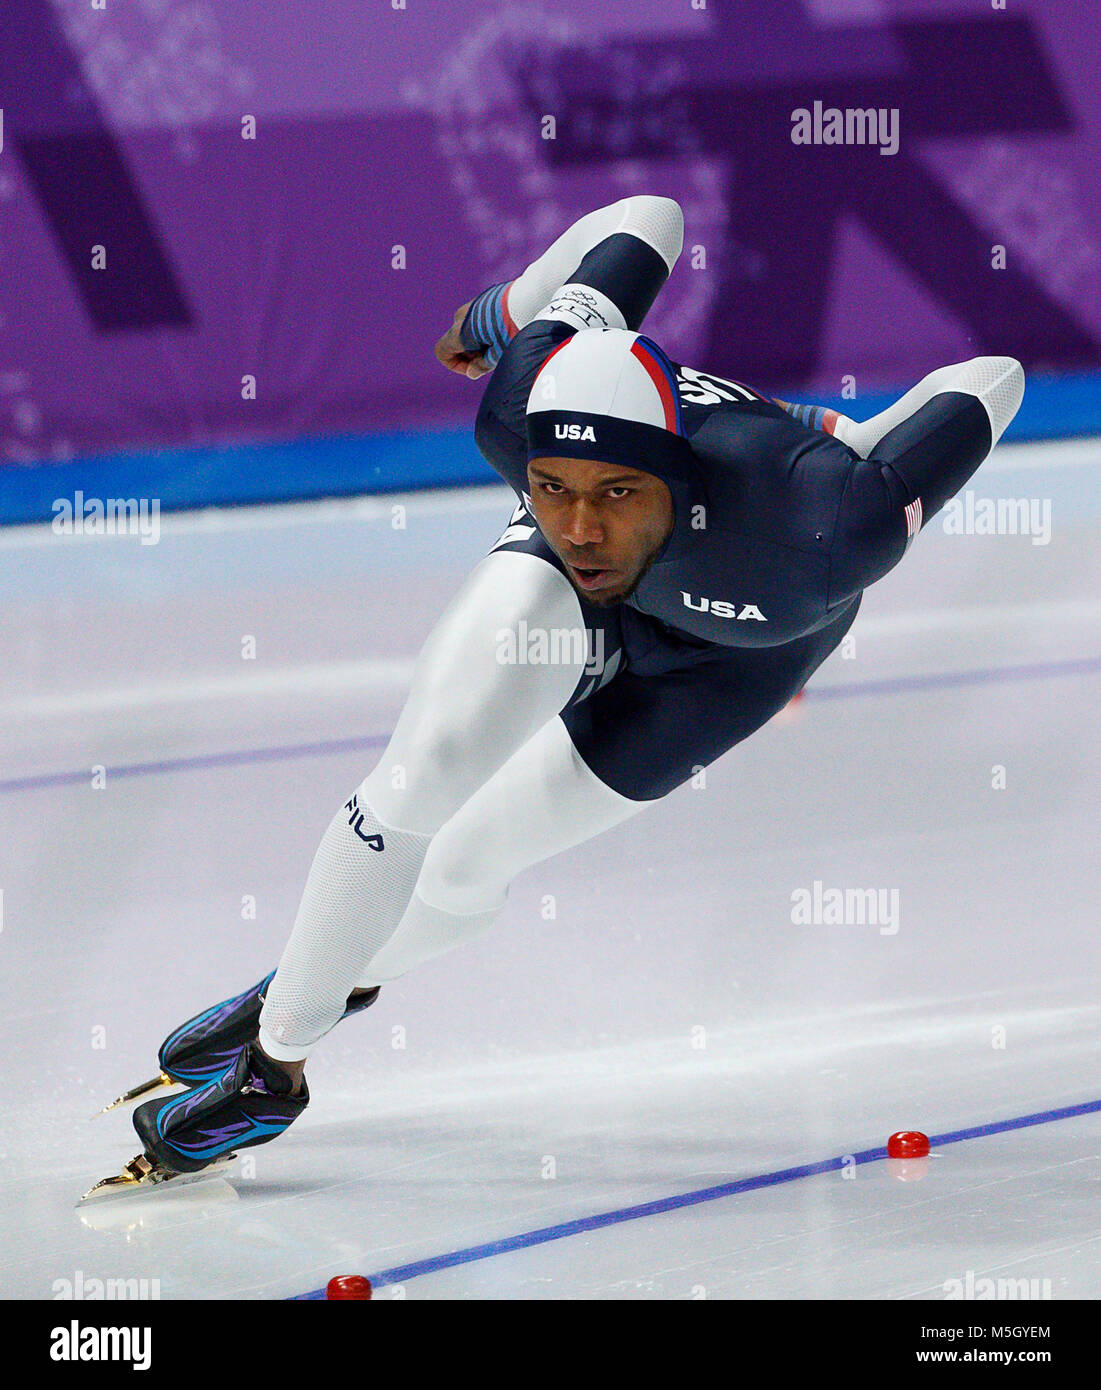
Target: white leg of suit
(467, 713)
(542, 801)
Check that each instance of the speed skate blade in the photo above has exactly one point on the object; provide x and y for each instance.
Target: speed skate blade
(154, 1084)
(142, 1173)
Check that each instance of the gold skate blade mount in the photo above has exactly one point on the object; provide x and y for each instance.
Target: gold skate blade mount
(142, 1172)
(154, 1084)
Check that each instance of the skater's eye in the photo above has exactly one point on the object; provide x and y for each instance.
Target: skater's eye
(616, 492)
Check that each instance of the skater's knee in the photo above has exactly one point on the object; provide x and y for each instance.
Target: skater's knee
(462, 877)
(420, 783)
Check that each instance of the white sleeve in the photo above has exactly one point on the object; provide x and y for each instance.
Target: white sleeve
(658, 222)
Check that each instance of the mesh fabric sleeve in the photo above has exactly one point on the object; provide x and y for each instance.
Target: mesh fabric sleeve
(604, 271)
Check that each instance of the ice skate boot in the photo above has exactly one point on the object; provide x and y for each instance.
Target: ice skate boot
(205, 1046)
(251, 1103)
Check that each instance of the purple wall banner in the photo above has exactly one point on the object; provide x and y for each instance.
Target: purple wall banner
(215, 233)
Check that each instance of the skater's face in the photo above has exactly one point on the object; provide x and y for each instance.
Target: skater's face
(605, 521)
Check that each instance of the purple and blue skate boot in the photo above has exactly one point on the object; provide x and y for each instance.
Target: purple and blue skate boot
(252, 1102)
(206, 1046)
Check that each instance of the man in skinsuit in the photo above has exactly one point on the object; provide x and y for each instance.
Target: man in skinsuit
(708, 548)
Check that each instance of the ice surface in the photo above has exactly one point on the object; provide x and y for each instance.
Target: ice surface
(669, 1030)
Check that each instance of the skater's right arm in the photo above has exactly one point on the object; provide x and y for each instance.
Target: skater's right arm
(605, 271)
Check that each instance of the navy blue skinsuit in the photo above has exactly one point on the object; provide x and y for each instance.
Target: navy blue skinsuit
(736, 613)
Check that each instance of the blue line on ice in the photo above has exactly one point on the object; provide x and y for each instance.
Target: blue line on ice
(994, 675)
(401, 1274)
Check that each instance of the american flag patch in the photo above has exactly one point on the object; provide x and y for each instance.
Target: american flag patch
(913, 522)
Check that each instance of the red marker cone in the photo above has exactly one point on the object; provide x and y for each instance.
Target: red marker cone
(908, 1143)
(348, 1286)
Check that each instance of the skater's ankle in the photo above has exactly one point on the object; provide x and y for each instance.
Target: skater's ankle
(291, 1070)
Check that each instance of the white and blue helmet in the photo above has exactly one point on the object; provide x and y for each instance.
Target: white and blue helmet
(609, 395)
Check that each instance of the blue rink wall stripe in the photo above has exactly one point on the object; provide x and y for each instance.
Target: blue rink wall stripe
(347, 745)
(400, 1274)
(244, 473)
